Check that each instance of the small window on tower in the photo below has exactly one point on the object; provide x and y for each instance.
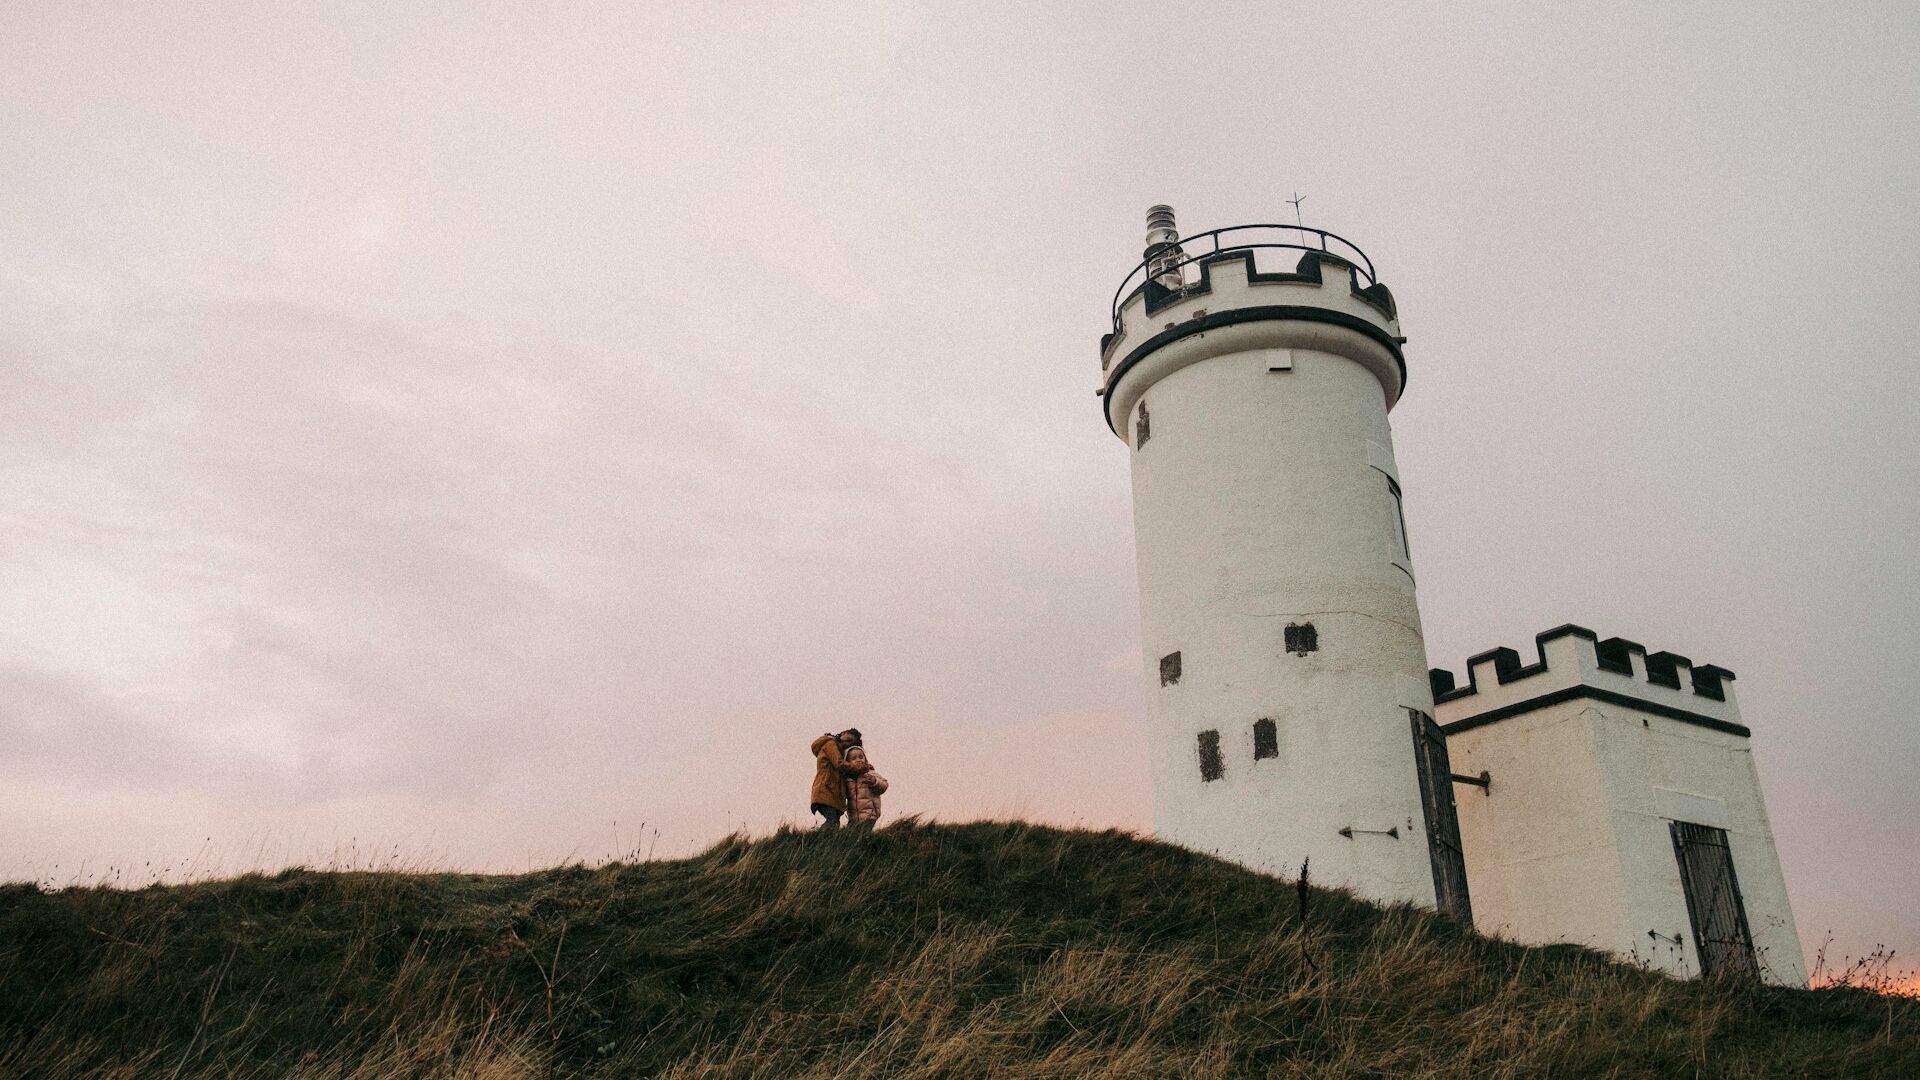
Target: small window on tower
(1400, 551)
(1302, 638)
(1142, 427)
(1170, 669)
(1211, 767)
(1266, 740)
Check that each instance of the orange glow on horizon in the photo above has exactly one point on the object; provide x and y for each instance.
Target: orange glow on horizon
(1897, 984)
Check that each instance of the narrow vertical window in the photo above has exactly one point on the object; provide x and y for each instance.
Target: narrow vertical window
(1142, 427)
(1399, 525)
(1266, 740)
(1170, 669)
(1211, 767)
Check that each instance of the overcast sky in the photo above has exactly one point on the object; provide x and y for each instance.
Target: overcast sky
(484, 436)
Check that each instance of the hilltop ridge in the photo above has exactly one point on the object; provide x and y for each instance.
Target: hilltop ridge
(975, 950)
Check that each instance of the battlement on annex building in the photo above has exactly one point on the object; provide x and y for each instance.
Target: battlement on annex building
(1575, 662)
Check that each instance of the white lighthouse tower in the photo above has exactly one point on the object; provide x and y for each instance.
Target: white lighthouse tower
(1250, 370)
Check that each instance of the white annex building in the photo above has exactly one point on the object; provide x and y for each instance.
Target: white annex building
(1602, 795)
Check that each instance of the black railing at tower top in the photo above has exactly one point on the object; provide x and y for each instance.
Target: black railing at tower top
(1286, 237)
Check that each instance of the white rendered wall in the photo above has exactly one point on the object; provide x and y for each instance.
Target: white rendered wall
(1542, 862)
(1572, 841)
(1261, 499)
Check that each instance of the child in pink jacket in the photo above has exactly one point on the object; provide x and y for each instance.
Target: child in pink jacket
(864, 791)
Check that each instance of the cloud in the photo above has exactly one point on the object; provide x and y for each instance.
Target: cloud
(54, 727)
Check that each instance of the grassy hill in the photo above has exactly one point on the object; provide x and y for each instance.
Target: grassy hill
(985, 950)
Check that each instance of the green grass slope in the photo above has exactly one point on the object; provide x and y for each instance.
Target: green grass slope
(984, 950)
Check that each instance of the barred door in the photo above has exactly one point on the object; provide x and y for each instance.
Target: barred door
(1443, 820)
(1714, 907)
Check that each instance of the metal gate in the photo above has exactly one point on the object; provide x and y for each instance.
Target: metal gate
(1443, 820)
(1714, 907)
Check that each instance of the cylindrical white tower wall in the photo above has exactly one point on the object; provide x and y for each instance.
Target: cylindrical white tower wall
(1264, 497)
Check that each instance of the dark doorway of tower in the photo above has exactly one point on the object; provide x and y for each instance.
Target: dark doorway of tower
(1443, 820)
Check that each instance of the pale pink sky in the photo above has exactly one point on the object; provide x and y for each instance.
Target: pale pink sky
(474, 432)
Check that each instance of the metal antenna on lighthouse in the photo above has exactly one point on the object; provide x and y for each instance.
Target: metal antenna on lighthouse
(1299, 223)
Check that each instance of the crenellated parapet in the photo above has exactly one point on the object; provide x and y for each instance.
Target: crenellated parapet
(1150, 298)
(1189, 308)
(1574, 662)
